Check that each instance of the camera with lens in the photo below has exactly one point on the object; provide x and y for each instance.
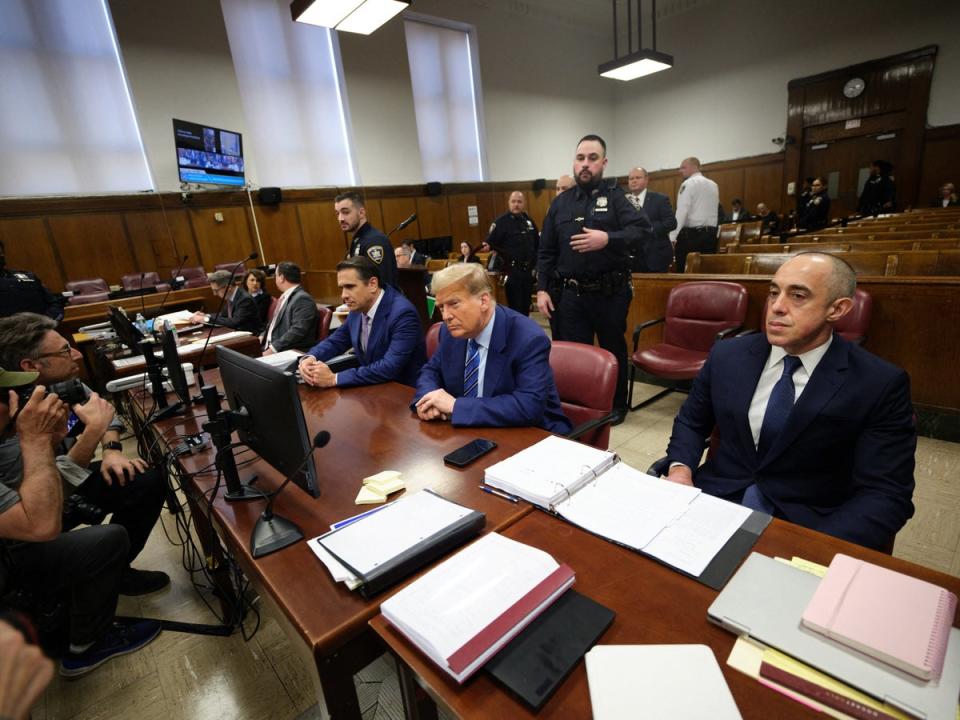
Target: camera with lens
(71, 392)
(77, 510)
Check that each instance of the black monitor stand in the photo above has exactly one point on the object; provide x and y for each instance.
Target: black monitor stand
(221, 424)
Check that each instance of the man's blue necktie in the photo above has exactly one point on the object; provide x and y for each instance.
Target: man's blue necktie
(779, 406)
(471, 371)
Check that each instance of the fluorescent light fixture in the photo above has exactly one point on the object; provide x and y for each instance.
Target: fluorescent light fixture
(636, 65)
(356, 16)
(325, 13)
(371, 15)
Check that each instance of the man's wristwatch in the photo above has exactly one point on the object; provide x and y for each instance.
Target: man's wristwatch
(112, 445)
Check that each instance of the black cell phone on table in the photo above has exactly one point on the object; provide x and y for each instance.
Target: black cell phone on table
(461, 457)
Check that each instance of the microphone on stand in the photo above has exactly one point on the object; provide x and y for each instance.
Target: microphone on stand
(200, 383)
(402, 225)
(272, 532)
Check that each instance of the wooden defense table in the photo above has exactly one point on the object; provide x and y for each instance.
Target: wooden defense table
(371, 429)
(654, 605)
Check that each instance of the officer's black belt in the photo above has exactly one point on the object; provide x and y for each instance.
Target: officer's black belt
(607, 284)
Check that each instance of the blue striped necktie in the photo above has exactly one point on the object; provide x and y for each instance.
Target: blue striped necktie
(471, 371)
(779, 405)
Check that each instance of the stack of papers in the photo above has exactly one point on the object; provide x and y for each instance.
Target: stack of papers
(179, 318)
(379, 547)
(466, 609)
(376, 487)
(281, 360)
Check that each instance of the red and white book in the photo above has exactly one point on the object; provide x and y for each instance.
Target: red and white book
(461, 613)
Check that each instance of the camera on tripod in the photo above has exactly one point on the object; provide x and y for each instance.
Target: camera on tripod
(71, 392)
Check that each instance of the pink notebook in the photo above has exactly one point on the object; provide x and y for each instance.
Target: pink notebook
(888, 615)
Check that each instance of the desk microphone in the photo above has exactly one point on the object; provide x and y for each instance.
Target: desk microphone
(173, 281)
(272, 532)
(402, 225)
(233, 270)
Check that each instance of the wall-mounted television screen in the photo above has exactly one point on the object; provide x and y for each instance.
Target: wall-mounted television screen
(207, 154)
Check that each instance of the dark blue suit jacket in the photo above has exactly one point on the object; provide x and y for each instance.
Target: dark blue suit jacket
(395, 348)
(843, 464)
(657, 252)
(518, 385)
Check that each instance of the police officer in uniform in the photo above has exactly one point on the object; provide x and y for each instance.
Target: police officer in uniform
(367, 240)
(698, 210)
(22, 291)
(583, 266)
(816, 214)
(514, 236)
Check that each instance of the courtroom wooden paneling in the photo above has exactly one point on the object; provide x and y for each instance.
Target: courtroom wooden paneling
(895, 85)
(433, 215)
(281, 234)
(28, 246)
(161, 239)
(460, 227)
(907, 328)
(325, 243)
(941, 151)
(395, 211)
(93, 245)
(221, 242)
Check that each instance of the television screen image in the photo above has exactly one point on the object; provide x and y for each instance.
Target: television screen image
(208, 155)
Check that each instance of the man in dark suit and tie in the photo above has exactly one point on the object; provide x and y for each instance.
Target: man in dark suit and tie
(383, 329)
(239, 310)
(492, 364)
(294, 324)
(416, 257)
(657, 253)
(813, 429)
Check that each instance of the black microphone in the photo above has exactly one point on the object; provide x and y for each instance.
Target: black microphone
(272, 532)
(402, 225)
(200, 383)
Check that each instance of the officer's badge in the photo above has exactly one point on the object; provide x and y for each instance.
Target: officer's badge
(376, 254)
(529, 225)
(493, 226)
(816, 201)
(601, 202)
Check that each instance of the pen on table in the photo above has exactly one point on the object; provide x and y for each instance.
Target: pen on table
(499, 493)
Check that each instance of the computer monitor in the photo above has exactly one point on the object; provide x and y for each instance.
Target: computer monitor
(171, 359)
(275, 428)
(129, 334)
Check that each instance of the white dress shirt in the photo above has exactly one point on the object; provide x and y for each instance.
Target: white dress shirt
(697, 203)
(771, 374)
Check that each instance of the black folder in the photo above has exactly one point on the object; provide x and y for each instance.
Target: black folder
(536, 661)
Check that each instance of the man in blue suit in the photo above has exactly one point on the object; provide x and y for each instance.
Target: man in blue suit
(383, 329)
(657, 253)
(813, 429)
(491, 366)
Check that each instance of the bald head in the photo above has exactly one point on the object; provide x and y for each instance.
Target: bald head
(517, 203)
(637, 180)
(564, 182)
(689, 166)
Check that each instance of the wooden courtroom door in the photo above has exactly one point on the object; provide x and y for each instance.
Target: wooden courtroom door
(845, 163)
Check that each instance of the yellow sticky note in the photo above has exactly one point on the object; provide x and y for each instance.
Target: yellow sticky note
(810, 567)
(382, 476)
(366, 496)
(387, 486)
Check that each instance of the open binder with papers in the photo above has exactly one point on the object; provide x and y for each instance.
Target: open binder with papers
(462, 612)
(697, 534)
(381, 548)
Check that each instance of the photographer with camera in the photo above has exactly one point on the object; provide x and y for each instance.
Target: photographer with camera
(127, 488)
(38, 562)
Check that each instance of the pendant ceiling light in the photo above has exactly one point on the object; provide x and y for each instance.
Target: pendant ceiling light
(645, 61)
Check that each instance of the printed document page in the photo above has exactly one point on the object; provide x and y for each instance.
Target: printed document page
(692, 541)
(627, 506)
(452, 603)
(369, 543)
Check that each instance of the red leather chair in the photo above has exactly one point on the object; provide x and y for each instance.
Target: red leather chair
(586, 378)
(132, 281)
(324, 316)
(433, 338)
(239, 269)
(88, 290)
(698, 314)
(193, 277)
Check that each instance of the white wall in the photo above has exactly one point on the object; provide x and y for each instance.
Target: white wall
(178, 65)
(726, 96)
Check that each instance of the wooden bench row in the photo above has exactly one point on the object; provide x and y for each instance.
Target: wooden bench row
(899, 263)
(849, 245)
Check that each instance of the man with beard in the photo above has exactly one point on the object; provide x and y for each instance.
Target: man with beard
(588, 236)
(367, 240)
